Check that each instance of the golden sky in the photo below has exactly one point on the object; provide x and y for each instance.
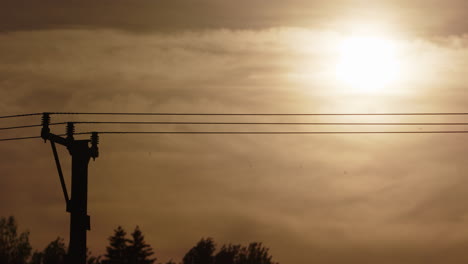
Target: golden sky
(311, 199)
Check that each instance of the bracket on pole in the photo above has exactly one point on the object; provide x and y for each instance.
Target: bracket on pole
(62, 180)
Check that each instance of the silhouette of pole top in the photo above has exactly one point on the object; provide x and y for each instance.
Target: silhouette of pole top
(69, 139)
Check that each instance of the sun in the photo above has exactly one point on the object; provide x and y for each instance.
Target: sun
(367, 64)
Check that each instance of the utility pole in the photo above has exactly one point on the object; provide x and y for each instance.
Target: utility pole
(77, 206)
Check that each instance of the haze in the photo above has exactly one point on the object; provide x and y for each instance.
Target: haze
(310, 199)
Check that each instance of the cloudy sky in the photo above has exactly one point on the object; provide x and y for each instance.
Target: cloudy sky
(310, 198)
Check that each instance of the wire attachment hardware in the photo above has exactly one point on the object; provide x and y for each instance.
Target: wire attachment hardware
(94, 145)
(70, 130)
(45, 126)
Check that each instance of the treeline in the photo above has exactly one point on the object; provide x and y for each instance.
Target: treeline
(16, 249)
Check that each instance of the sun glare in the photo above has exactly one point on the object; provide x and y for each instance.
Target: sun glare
(367, 64)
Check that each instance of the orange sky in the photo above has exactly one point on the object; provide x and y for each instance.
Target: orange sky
(311, 199)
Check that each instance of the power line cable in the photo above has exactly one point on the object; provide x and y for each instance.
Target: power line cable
(255, 114)
(20, 115)
(31, 137)
(238, 114)
(18, 138)
(18, 127)
(29, 126)
(244, 123)
(280, 132)
(257, 133)
(273, 123)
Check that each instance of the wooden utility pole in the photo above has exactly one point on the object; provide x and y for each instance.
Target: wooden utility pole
(77, 206)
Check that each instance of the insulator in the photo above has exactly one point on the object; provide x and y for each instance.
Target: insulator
(70, 129)
(94, 145)
(45, 119)
(94, 138)
(45, 126)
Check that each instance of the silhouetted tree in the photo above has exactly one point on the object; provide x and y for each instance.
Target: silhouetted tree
(54, 253)
(14, 248)
(117, 251)
(202, 253)
(92, 259)
(255, 253)
(228, 254)
(36, 258)
(139, 252)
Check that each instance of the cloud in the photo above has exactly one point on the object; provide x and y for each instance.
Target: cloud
(180, 15)
(362, 197)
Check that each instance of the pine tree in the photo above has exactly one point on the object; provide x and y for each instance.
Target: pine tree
(139, 251)
(117, 251)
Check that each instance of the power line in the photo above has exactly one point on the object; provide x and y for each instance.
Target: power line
(244, 123)
(18, 138)
(20, 115)
(29, 126)
(256, 114)
(271, 123)
(238, 114)
(280, 132)
(257, 133)
(18, 127)
(31, 137)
